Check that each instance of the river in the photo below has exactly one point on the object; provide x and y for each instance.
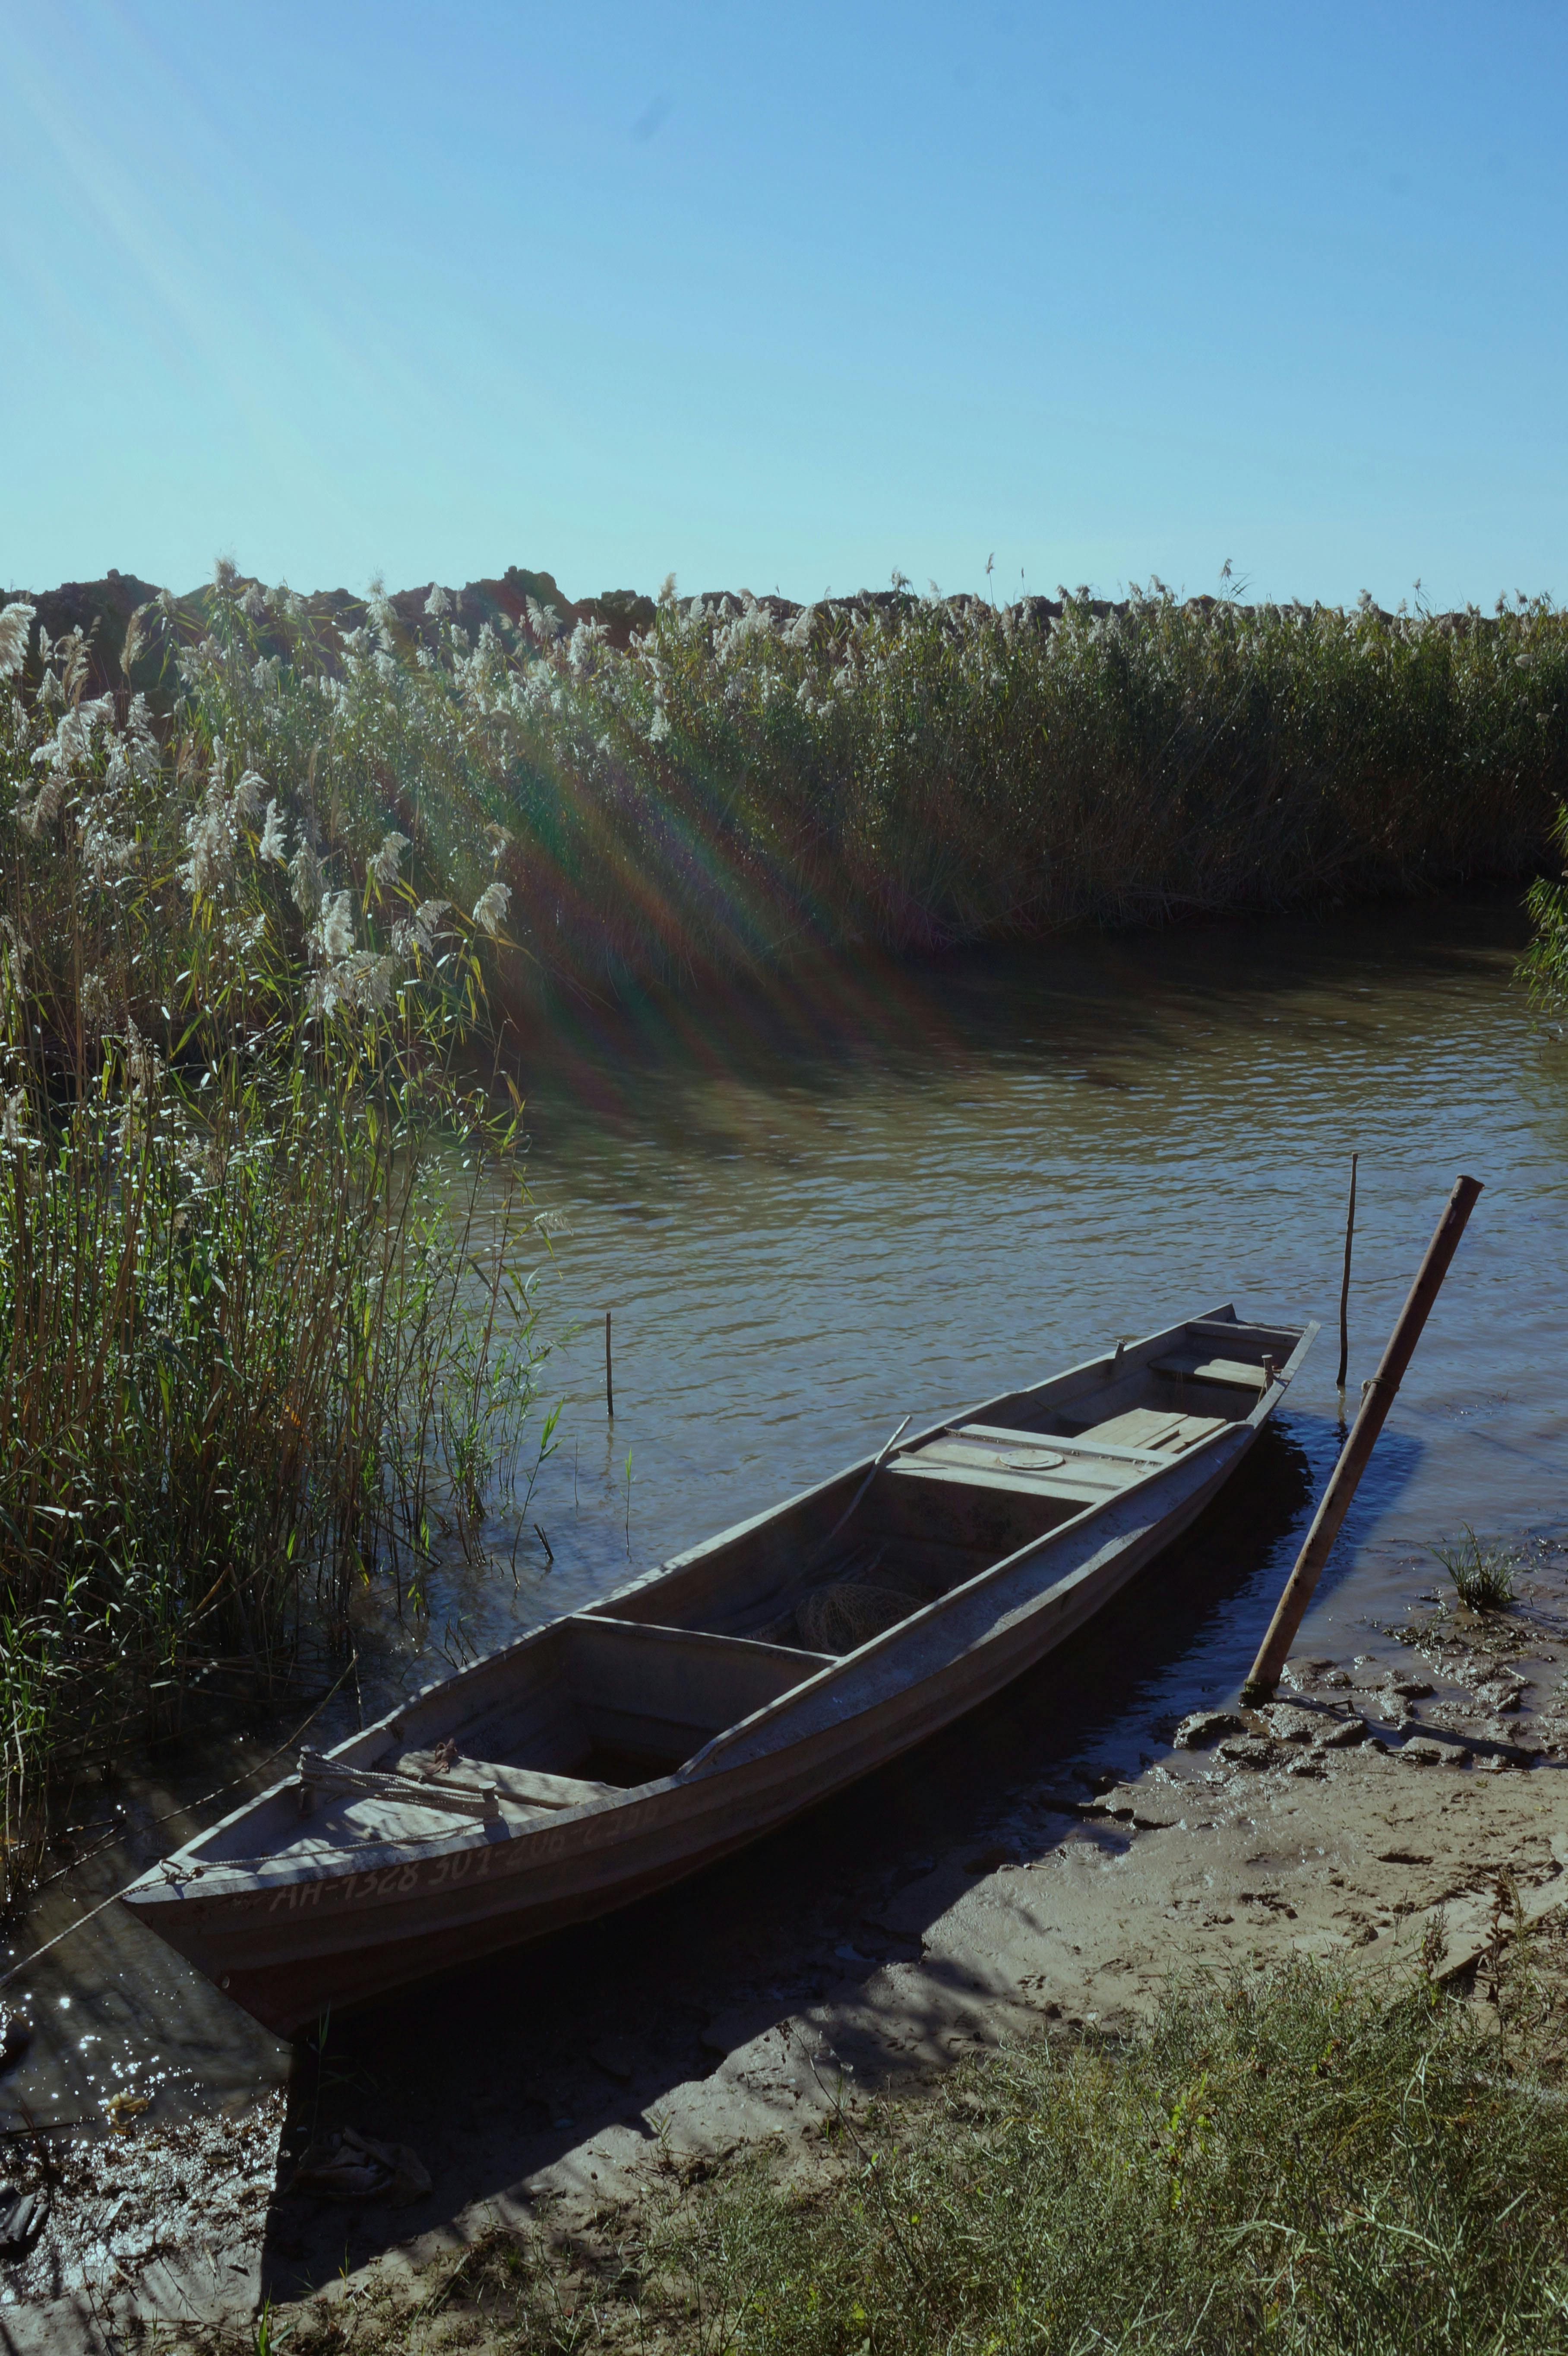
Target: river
(879, 1190)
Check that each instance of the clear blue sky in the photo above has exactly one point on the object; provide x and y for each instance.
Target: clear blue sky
(786, 296)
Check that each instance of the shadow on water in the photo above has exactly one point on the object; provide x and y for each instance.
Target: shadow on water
(1092, 1007)
(489, 2072)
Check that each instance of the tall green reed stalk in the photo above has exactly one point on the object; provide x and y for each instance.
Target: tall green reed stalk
(249, 1355)
(1544, 966)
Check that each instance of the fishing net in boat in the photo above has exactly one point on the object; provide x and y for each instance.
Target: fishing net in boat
(856, 1600)
(837, 1617)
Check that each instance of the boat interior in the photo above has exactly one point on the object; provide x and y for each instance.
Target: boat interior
(627, 1690)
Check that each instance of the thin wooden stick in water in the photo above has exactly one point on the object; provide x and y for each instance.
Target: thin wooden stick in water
(1345, 1284)
(1377, 1397)
(609, 1378)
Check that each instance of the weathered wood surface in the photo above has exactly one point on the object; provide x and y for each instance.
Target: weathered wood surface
(1377, 1397)
(455, 1797)
(737, 1734)
(1277, 1340)
(1229, 1373)
(1159, 1432)
(1079, 1445)
(526, 1786)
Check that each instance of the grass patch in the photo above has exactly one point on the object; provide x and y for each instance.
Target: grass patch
(1482, 1571)
(1296, 2162)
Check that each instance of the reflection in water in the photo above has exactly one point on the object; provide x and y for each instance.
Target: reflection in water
(854, 1195)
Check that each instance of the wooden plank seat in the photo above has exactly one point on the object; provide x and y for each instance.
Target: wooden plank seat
(1023, 1463)
(1277, 1341)
(1225, 1374)
(1158, 1431)
(1222, 1352)
(1080, 1445)
(1083, 1469)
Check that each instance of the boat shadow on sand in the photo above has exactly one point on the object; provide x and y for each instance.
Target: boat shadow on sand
(498, 2071)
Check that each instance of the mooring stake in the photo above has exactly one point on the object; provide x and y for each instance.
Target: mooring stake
(1377, 1397)
(1345, 1283)
(609, 1378)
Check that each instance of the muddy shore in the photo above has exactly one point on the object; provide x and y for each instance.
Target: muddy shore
(1371, 1807)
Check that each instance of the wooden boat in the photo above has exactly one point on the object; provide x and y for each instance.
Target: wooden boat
(623, 1746)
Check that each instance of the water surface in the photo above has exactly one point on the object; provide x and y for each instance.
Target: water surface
(905, 1189)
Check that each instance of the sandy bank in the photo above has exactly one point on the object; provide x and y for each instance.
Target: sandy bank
(1371, 1809)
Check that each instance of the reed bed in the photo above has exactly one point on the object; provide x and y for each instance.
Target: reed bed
(726, 783)
(1544, 966)
(921, 771)
(259, 1352)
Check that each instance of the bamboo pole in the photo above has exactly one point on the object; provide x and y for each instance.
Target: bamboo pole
(1345, 1283)
(609, 1376)
(1377, 1397)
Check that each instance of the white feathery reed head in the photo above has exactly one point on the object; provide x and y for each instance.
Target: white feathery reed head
(305, 868)
(15, 623)
(336, 928)
(427, 919)
(386, 862)
(273, 845)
